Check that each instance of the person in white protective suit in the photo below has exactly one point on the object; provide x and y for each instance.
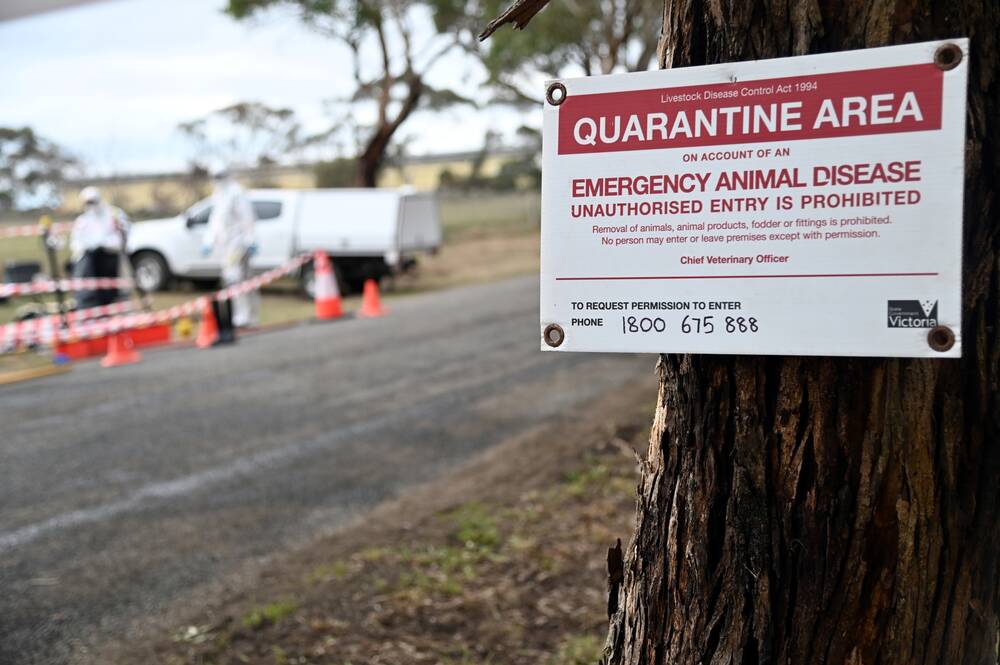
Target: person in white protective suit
(230, 236)
(96, 243)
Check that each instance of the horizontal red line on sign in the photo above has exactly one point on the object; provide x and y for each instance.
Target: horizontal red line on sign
(651, 277)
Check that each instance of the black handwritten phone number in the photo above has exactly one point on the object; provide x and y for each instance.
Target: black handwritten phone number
(691, 325)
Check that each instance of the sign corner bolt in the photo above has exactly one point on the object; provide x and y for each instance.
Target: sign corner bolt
(555, 94)
(554, 335)
(947, 56)
(941, 338)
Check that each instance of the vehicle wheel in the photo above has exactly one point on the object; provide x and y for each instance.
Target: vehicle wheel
(356, 284)
(307, 281)
(206, 284)
(151, 271)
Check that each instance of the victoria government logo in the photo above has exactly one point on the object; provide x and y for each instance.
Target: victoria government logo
(913, 313)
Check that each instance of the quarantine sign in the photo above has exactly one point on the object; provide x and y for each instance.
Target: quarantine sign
(800, 206)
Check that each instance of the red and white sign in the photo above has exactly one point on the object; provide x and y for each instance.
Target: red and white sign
(800, 206)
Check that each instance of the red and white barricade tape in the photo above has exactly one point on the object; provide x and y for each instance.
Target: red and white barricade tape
(51, 286)
(104, 327)
(260, 280)
(28, 230)
(94, 312)
(44, 327)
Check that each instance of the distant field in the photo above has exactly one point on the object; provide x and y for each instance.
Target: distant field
(489, 214)
(487, 237)
(26, 249)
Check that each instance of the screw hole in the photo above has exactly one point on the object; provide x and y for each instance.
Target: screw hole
(553, 335)
(556, 94)
(941, 338)
(947, 56)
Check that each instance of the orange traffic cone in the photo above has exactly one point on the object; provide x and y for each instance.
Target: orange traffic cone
(328, 305)
(208, 331)
(120, 351)
(371, 304)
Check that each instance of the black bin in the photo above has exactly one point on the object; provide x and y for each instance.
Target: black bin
(20, 272)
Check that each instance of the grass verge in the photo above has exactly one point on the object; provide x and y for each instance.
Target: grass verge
(500, 563)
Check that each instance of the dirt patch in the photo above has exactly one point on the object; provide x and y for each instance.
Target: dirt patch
(500, 562)
(25, 365)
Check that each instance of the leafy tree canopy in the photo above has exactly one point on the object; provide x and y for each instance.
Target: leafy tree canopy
(244, 134)
(31, 168)
(567, 38)
(391, 59)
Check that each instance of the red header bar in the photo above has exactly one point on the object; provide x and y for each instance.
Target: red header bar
(858, 103)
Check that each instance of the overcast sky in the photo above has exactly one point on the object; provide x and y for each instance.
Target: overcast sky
(111, 81)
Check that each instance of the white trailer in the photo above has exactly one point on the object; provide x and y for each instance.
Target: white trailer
(369, 233)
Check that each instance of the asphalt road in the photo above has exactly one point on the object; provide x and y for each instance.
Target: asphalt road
(121, 490)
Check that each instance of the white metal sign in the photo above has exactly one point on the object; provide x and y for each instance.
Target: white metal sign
(801, 206)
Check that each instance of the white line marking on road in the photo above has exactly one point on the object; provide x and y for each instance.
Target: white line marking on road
(245, 466)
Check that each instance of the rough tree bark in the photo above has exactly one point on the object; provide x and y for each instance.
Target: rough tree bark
(820, 510)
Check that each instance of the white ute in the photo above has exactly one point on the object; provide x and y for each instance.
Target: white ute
(369, 233)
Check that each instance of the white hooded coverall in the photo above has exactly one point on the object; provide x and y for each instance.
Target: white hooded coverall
(231, 235)
(99, 227)
(95, 247)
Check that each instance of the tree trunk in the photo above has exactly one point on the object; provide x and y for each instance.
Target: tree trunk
(805, 511)
(371, 158)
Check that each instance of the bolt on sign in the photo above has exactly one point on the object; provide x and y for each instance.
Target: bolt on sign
(802, 206)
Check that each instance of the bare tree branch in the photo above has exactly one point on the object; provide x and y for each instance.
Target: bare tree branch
(405, 32)
(440, 53)
(520, 13)
(517, 97)
(387, 80)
